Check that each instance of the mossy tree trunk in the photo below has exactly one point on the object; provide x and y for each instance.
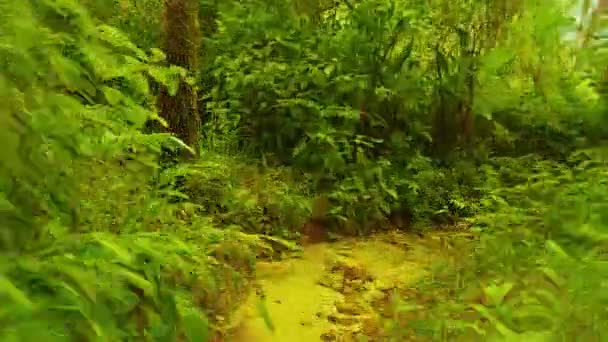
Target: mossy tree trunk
(181, 46)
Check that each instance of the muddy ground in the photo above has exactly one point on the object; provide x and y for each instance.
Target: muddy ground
(340, 291)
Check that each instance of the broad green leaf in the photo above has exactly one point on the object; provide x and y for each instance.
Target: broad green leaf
(196, 327)
(113, 96)
(18, 296)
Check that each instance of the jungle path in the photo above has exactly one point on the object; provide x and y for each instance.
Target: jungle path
(332, 292)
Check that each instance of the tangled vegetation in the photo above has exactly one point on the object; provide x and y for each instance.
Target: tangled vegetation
(155, 150)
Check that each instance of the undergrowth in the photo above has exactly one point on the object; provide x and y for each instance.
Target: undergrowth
(92, 247)
(537, 270)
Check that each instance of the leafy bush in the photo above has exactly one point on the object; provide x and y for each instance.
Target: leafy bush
(78, 262)
(536, 271)
(234, 192)
(355, 94)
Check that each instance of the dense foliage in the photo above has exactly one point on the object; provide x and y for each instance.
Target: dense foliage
(370, 114)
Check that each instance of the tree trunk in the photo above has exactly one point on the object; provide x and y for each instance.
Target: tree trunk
(181, 41)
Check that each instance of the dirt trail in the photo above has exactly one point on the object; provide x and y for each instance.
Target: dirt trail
(325, 292)
(293, 299)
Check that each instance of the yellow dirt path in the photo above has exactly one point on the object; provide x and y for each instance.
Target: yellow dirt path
(294, 299)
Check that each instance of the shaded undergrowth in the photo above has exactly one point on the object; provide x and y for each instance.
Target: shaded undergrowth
(534, 273)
